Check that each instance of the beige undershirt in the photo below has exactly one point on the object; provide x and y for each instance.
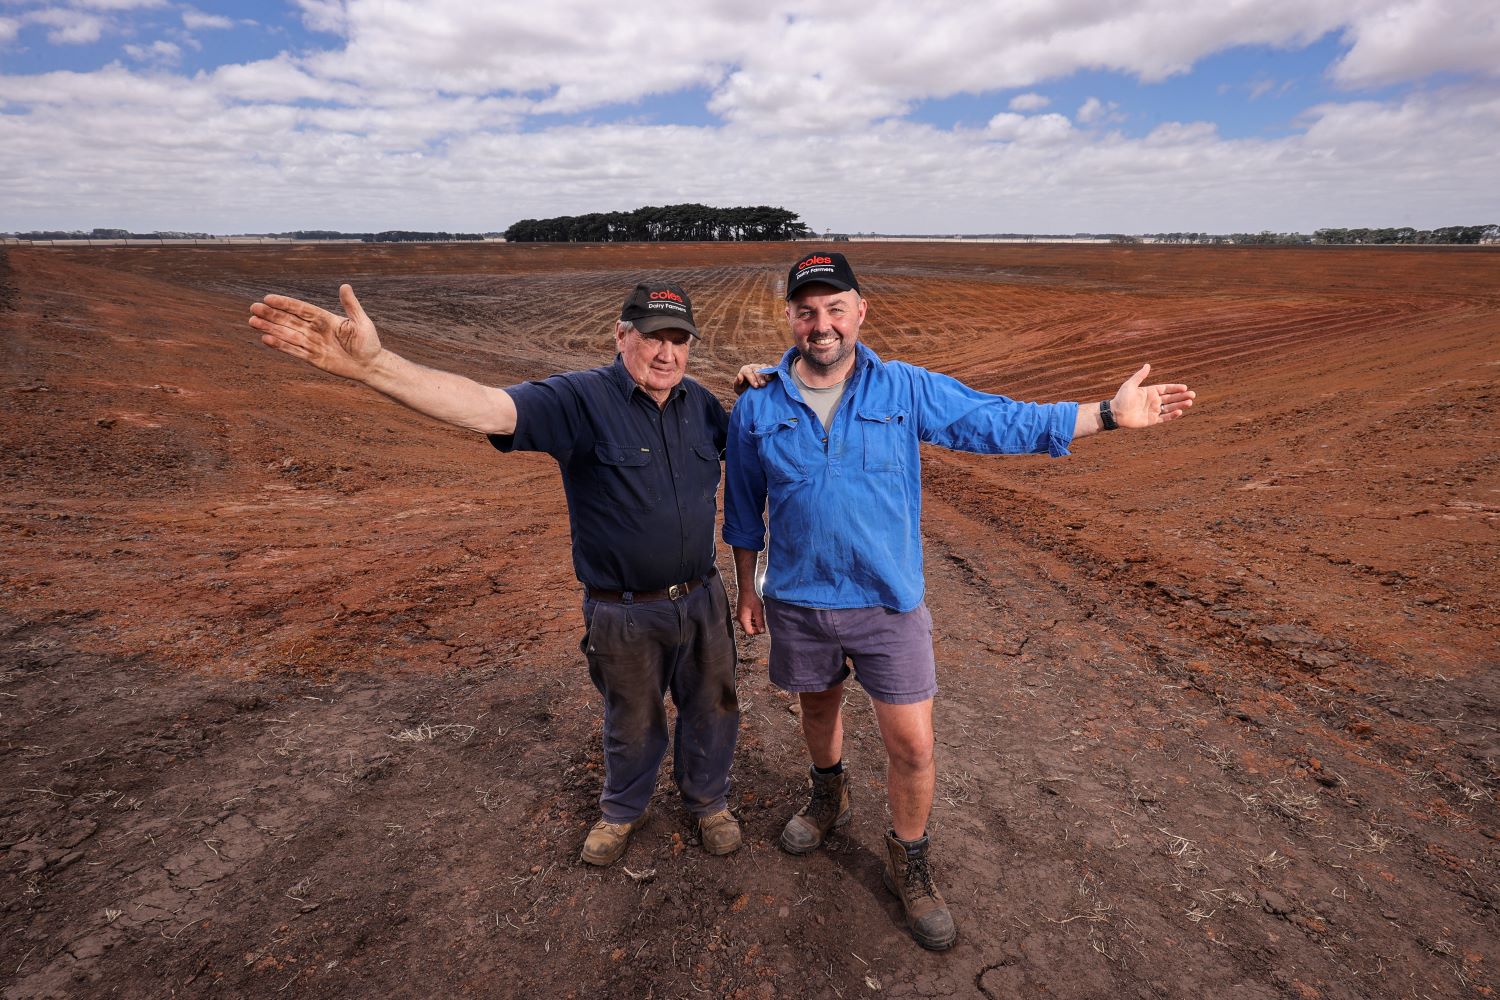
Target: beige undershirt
(822, 401)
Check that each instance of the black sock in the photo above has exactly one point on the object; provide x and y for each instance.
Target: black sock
(835, 769)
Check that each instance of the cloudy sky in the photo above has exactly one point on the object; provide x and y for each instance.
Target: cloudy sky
(1042, 116)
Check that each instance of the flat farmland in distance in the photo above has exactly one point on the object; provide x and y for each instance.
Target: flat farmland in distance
(291, 702)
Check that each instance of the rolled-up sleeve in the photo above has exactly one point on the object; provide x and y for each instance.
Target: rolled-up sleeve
(744, 485)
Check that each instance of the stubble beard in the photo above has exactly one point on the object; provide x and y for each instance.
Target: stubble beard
(841, 352)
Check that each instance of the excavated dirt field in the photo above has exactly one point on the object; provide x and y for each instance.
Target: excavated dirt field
(291, 703)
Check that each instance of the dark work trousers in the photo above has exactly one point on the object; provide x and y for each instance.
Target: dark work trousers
(638, 652)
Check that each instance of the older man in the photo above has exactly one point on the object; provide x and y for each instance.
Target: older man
(832, 443)
(638, 445)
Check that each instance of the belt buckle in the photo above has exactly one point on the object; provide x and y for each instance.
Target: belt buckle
(676, 590)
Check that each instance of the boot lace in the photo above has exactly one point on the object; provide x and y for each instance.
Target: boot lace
(825, 801)
(918, 877)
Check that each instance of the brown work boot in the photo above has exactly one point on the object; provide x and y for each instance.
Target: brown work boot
(827, 808)
(719, 833)
(907, 875)
(607, 841)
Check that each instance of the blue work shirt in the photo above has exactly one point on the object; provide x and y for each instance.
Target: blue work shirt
(641, 480)
(846, 503)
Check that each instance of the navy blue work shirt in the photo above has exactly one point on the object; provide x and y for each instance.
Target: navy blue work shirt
(641, 480)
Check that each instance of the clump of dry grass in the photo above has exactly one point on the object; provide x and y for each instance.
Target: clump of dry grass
(426, 732)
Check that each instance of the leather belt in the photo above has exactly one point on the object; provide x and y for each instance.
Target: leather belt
(673, 593)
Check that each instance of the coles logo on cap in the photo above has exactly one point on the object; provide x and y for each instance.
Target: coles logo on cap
(821, 267)
(667, 299)
(655, 307)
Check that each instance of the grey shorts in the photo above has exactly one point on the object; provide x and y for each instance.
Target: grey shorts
(891, 650)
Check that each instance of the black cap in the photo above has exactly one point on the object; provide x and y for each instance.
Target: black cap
(652, 307)
(822, 267)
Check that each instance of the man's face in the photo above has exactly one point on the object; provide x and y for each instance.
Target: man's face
(657, 361)
(825, 326)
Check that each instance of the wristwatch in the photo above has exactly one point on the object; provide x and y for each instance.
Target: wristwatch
(1108, 417)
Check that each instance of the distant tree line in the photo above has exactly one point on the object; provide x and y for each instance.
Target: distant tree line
(667, 223)
(389, 236)
(673, 223)
(1404, 235)
(106, 234)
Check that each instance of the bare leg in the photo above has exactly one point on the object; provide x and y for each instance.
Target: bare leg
(906, 731)
(823, 725)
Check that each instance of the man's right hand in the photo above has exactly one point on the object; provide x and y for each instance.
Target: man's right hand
(750, 377)
(339, 345)
(350, 347)
(751, 613)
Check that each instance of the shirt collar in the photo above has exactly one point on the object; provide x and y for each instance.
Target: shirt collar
(863, 358)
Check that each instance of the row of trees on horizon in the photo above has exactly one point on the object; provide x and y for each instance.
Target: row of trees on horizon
(663, 224)
(388, 236)
(680, 223)
(1403, 235)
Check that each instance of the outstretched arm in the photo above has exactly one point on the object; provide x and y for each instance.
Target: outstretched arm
(1137, 405)
(348, 346)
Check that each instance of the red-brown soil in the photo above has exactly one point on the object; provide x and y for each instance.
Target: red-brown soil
(291, 702)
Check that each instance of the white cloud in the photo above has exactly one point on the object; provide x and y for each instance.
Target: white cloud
(118, 5)
(411, 115)
(278, 166)
(324, 15)
(572, 54)
(1031, 129)
(768, 66)
(1416, 38)
(160, 52)
(1181, 134)
(62, 94)
(1094, 111)
(278, 80)
(9, 28)
(69, 27)
(197, 20)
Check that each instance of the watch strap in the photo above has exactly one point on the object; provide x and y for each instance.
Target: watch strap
(1107, 416)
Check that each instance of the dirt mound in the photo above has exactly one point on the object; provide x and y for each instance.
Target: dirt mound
(292, 703)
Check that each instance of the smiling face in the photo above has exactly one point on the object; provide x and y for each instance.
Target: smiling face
(657, 361)
(825, 327)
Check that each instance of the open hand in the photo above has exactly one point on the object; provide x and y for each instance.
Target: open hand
(1137, 405)
(341, 345)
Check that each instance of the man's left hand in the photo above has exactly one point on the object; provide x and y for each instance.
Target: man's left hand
(1137, 405)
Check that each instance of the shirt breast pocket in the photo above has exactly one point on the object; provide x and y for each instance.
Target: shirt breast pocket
(706, 472)
(625, 475)
(776, 440)
(885, 436)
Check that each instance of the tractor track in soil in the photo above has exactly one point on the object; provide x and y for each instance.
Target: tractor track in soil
(290, 699)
